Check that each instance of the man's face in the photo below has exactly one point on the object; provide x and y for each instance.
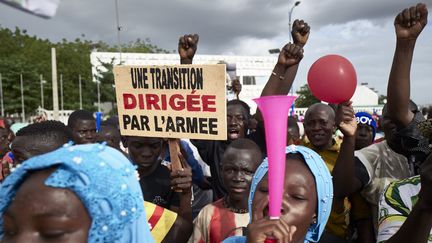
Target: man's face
(144, 151)
(4, 142)
(238, 168)
(390, 132)
(236, 122)
(84, 131)
(319, 128)
(364, 137)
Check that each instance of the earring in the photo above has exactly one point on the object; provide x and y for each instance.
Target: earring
(314, 221)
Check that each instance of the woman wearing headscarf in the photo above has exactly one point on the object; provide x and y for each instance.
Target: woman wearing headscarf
(306, 205)
(84, 193)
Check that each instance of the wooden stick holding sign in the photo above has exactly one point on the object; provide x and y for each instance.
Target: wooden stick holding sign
(174, 150)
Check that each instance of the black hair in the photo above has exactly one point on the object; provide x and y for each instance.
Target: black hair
(429, 115)
(243, 104)
(245, 143)
(79, 115)
(296, 156)
(47, 132)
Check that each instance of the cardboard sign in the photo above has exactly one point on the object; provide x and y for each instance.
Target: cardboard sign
(177, 101)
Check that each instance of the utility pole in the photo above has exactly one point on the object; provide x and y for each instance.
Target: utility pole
(22, 99)
(80, 91)
(54, 83)
(41, 91)
(1, 95)
(98, 93)
(61, 92)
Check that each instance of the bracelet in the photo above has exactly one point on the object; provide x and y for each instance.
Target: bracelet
(280, 77)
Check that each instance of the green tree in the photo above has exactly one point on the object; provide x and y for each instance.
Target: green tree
(31, 57)
(305, 97)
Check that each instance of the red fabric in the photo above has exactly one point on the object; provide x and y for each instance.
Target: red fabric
(222, 223)
(155, 216)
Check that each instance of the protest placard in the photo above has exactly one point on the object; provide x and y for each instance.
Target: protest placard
(176, 101)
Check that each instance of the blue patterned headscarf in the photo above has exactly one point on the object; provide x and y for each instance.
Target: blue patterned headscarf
(105, 182)
(324, 187)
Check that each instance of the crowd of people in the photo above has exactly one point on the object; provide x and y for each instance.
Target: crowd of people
(81, 182)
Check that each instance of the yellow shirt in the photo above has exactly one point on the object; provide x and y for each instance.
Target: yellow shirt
(339, 216)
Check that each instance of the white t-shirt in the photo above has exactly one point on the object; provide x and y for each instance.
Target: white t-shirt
(383, 166)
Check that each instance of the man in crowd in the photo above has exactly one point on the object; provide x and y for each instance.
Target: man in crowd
(375, 166)
(229, 216)
(320, 124)
(83, 127)
(158, 183)
(39, 138)
(406, 206)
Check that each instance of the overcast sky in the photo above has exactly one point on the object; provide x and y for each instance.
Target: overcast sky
(360, 30)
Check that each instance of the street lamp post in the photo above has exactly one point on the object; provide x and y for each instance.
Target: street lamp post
(118, 31)
(290, 36)
(290, 14)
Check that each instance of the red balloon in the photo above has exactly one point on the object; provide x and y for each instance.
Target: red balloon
(332, 79)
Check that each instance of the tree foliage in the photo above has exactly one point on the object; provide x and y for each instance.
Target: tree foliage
(31, 57)
(305, 97)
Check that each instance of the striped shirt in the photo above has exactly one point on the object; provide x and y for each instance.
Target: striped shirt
(215, 222)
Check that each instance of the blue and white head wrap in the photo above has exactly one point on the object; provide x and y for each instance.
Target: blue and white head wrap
(105, 182)
(324, 186)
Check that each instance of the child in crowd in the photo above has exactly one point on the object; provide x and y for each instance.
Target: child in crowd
(229, 216)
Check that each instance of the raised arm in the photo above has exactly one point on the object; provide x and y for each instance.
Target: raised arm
(408, 25)
(187, 47)
(344, 179)
(285, 69)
